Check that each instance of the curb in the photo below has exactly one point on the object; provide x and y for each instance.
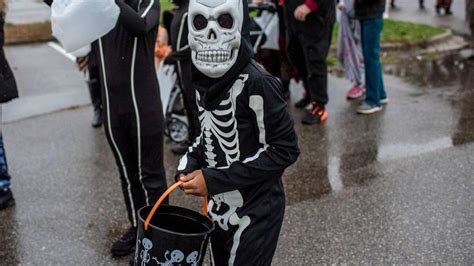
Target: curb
(407, 46)
(28, 33)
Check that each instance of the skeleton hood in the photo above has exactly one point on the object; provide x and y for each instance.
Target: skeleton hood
(218, 56)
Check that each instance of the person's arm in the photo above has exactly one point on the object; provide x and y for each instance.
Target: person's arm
(142, 21)
(184, 51)
(280, 144)
(313, 5)
(178, 56)
(192, 160)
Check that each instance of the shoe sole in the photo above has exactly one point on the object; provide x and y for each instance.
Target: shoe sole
(384, 101)
(322, 121)
(370, 111)
(354, 97)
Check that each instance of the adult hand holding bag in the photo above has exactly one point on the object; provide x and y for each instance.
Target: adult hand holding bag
(77, 23)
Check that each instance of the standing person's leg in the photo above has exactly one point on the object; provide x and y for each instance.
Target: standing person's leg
(295, 53)
(297, 59)
(120, 141)
(316, 50)
(371, 30)
(448, 7)
(6, 196)
(95, 93)
(422, 4)
(150, 160)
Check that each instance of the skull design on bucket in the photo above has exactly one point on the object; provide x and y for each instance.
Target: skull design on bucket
(215, 34)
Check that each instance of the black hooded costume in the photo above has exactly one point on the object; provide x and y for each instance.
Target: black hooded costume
(133, 116)
(132, 104)
(247, 142)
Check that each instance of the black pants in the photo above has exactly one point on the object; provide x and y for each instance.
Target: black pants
(139, 158)
(308, 46)
(94, 86)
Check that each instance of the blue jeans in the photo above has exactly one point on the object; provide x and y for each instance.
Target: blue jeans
(375, 89)
(4, 177)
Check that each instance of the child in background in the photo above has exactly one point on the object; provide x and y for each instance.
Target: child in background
(349, 48)
(162, 49)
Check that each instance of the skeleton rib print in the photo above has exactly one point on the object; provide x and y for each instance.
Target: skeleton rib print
(221, 125)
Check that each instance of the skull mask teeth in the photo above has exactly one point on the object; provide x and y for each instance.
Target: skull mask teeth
(214, 34)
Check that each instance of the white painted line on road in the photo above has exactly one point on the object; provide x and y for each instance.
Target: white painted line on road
(61, 50)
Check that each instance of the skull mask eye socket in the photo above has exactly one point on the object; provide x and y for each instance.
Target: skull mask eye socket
(226, 21)
(200, 22)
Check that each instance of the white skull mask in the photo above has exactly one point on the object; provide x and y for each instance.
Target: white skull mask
(215, 34)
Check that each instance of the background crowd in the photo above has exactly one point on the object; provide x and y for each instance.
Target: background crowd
(304, 39)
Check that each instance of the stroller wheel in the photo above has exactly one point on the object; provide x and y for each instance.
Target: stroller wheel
(178, 130)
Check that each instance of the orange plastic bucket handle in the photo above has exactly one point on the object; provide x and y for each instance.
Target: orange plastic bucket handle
(162, 198)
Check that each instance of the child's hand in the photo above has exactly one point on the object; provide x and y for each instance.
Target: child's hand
(195, 184)
(301, 12)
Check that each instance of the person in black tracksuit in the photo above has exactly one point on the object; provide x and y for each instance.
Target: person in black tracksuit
(181, 58)
(247, 142)
(132, 108)
(308, 43)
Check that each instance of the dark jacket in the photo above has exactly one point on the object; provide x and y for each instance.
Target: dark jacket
(325, 9)
(8, 88)
(367, 9)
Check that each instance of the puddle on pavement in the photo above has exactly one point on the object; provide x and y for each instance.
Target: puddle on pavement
(427, 71)
(333, 167)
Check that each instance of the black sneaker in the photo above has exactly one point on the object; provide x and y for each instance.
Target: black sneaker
(6, 198)
(316, 115)
(126, 244)
(303, 102)
(97, 118)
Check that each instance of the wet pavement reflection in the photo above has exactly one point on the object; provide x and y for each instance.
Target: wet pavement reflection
(332, 163)
(395, 187)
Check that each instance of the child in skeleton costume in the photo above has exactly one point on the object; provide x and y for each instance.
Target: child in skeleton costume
(247, 138)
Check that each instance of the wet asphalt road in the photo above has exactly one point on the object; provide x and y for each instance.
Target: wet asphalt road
(395, 187)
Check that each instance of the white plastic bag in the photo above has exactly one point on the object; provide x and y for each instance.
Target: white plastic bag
(82, 52)
(78, 23)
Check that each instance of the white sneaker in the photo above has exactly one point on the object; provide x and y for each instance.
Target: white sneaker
(366, 109)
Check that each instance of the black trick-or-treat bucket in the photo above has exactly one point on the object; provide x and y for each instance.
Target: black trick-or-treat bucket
(171, 235)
